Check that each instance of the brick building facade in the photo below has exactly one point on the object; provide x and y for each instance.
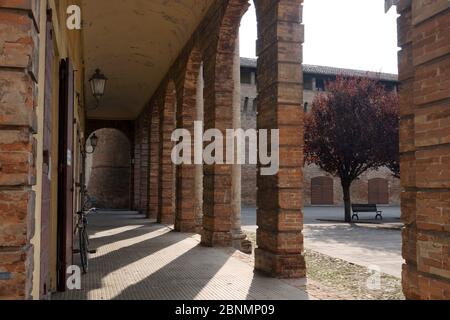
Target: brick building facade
(319, 188)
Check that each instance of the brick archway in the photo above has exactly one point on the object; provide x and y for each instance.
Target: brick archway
(108, 170)
(124, 126)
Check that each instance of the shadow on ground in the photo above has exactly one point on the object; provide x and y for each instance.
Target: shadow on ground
(137, 259)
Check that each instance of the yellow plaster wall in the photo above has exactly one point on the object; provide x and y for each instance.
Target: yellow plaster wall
(68, 43)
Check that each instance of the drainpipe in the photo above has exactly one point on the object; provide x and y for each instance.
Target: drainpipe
(389, 3)
(198, 184)
(239, 241)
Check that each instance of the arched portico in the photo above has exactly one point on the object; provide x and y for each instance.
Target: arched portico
(151, 66)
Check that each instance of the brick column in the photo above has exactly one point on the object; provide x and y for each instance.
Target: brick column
(186, 115)
(218, 114)
(166, 203)
(279, 213)
(154, 163)
(145, 163)
(424, 71)
(19, 47)
(137, 166)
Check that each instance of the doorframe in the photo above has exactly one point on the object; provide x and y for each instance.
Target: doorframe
(65, 174)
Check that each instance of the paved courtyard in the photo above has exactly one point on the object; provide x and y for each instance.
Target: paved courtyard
(368, 243)
(138, 259)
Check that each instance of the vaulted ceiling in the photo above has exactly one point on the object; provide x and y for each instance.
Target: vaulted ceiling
(134, 43)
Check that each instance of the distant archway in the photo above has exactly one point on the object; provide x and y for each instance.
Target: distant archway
(108, 170)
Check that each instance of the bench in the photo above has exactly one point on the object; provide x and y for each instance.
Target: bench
(359, 208)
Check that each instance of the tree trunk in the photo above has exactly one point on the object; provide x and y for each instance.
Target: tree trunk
(347, 201)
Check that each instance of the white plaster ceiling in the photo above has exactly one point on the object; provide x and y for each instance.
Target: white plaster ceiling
(134, 43)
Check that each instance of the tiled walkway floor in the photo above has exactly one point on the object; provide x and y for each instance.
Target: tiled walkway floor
(137, 259)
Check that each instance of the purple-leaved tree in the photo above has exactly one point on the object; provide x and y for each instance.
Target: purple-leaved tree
(352, 128)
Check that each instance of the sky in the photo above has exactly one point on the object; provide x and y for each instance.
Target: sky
(354, 34)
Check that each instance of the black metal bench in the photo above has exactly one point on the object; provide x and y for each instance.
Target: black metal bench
(358, 208)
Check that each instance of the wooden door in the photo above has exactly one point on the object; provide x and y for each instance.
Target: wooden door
(46, 165)
(65, 172)
(322, 191)
(378, 191)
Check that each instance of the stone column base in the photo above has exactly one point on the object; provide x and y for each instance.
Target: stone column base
(166, 220)
(286, 266)
(199, 229)
(241, 243)
(216, 239)
(186, 226)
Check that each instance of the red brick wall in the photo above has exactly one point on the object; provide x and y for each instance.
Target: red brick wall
(18, 99)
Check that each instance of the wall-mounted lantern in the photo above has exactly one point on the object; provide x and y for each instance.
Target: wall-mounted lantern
(98, 84)
(94, 142)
